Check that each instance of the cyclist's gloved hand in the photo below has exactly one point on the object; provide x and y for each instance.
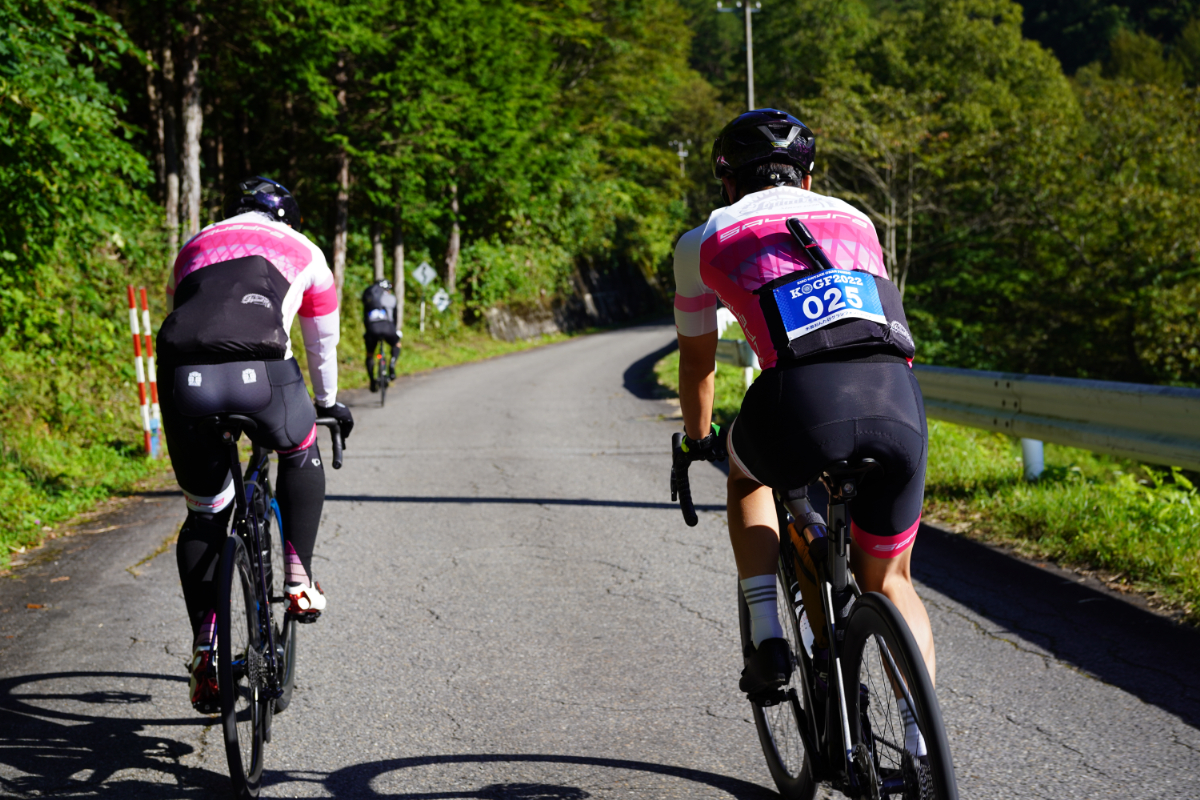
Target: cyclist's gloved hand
(710, 448)
(341, 414)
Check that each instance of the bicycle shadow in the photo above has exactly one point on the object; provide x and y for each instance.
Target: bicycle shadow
(1099, 632)
(358, 781)
(54, 742)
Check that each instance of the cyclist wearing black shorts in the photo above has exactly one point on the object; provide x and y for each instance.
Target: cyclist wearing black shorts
(380, 325)
(836, 384)
(235, 289)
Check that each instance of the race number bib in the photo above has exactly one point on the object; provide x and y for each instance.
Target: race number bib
(377, 315)
(818, 300)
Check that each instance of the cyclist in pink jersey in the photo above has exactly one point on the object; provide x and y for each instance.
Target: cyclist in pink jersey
(836, 384)
(225, 347)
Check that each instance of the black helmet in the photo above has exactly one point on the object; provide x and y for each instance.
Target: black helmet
(384, 283)
(263, 194)
(763, 135)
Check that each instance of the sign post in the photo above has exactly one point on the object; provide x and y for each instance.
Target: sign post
(152, 380)
(138, 369)
(423, 275)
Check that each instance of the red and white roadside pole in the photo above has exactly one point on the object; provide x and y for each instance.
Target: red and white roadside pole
(151, 377)
(137, 366)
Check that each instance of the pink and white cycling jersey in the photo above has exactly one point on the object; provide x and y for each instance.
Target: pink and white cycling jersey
(747, 244)
(311, 292)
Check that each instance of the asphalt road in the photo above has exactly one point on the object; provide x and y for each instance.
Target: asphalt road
(517, 611)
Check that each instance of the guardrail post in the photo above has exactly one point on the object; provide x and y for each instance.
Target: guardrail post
(1033, 456)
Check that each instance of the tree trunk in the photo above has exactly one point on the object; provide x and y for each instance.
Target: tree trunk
(398, 269)
(342, 204)
(217, 196)
(341, 220)
(170, 151)
(154, 99)
(193, 124)
(244, 142)
(377, 248)
(908, 233)
(289, 107)
(455, 244)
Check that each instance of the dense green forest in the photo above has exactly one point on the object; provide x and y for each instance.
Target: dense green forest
(1031, 169)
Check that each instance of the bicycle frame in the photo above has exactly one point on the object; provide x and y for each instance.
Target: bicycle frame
(838, 591)
(246, 525)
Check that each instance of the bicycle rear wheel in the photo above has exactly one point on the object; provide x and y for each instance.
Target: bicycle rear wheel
(883, 660)
(779, 725)
(285, 626)
(381, 371)
(239, 669)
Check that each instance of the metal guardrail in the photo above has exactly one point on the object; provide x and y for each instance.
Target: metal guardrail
(735, 352)
(1154, 424)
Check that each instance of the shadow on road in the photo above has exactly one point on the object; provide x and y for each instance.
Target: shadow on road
(358, 780)
(1134, 649)
(528, 501)
(639, 376)
(53, 740)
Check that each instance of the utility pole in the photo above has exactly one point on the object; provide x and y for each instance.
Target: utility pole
(683, 154)
(748, 8)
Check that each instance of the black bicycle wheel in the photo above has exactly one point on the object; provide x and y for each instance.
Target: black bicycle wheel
(285, 626)
(881, 659)
(383, 384)
(239, 667)
(285, 642)
(779, 724)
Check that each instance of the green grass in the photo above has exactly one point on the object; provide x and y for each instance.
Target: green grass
(1136, 526)
(45, 480)
(48, 476)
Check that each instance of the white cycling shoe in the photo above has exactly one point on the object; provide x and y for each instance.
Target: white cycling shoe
(305, 603)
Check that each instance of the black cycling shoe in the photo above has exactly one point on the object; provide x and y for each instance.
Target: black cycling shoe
(767, 668)
(374, 385)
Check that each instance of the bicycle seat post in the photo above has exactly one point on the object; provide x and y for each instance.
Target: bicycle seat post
(228, 428)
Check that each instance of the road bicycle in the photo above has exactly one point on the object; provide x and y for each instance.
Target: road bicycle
(383, 371)
(256, 643)
(847, 730)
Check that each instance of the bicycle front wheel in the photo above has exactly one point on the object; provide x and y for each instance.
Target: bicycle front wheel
(240, 669)
(882, 660)
(779, 724)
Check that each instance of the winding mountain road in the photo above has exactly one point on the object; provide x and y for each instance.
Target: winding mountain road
(518, 611)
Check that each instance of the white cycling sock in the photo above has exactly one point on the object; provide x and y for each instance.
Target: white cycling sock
(914, 742)
(759, 592)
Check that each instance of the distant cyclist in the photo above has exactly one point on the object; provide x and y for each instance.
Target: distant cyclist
(833, 387)
(380, 325)
(225, 347)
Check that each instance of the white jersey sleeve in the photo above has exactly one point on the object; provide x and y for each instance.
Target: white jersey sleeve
(695, 303)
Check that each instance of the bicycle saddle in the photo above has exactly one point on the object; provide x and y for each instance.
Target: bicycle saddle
(842, 477)
(234, 424)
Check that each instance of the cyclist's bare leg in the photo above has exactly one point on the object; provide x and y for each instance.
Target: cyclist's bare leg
(753, 525)
(893, 578)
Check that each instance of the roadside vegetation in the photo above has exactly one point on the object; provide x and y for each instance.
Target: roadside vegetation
(1135, 526)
